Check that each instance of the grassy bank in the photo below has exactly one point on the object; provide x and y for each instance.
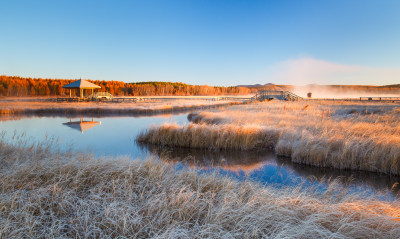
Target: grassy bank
(77, 195)
(15, 108)
(226, 136)
(326, 134)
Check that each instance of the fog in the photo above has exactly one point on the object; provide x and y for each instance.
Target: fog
(326, 91)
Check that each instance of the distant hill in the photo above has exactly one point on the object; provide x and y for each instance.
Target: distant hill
(256, 85)
(250, 86)
(391, 86)
(268, 86)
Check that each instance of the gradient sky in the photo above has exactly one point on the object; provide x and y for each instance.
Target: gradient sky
(203, 42)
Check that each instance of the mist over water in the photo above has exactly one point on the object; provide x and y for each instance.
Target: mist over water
(340, 92)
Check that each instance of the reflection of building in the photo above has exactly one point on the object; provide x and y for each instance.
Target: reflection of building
(81, 125)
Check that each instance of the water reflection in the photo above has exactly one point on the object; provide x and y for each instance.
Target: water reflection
(81, 125)
(115, 136)
(355, 179)
(239, 162)
(266, 167)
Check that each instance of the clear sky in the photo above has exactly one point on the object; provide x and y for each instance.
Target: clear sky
(210, 42)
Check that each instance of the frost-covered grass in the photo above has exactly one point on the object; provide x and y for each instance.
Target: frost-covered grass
(32, 108)
(45, 194)
(342, 135)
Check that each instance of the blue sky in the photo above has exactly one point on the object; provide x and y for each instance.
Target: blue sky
(203, 42)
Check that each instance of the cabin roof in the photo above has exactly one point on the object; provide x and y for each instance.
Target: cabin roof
(81, 84)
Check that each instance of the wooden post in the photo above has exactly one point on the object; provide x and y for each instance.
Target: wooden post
(70, 92)
(81, 96)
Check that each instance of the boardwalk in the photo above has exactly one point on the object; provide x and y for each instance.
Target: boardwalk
(275, 94)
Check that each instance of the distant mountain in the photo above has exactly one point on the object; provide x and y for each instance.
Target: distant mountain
(250, 86)
(391, 86)
(268, 86)
(256, 85)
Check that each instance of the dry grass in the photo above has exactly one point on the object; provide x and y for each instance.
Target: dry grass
(33, 108)
(75, 195)
(210, 136)
(325, 134)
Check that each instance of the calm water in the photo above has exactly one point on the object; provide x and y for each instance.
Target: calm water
(115, 136)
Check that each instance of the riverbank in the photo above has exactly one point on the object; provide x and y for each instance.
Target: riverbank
(42, 108)
(343, 135)
(78, 195)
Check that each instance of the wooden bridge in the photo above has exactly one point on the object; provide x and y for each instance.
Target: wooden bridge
(275, 94)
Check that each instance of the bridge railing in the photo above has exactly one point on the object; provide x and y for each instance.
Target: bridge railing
(98, 95)
(271, 92)
(290, 94)
(278, 94)
(379, 98)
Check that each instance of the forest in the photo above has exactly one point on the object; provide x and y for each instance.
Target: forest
(21, 86)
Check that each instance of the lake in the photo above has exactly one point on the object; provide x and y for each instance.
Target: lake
(115, 136)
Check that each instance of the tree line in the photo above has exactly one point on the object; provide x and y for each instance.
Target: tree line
(21, 86)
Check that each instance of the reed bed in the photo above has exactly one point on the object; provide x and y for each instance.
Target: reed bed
(325, 134)
(47, 194)
(210, 136)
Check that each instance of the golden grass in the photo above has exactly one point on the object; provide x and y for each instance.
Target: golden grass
(326, 134)
(43, 194)
(36, 108)
(210, 136)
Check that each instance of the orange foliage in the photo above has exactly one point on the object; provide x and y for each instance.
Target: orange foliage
(19, 86)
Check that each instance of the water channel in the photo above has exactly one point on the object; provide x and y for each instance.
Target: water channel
(115, 136)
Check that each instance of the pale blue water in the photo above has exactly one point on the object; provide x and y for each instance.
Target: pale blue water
(115, 136)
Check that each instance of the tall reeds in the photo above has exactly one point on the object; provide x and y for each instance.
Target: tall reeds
(211, 136)
(345, 136)
(43, 194)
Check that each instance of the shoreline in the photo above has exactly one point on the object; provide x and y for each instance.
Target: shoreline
(105, 109)
(69, 195)
(344, 136)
